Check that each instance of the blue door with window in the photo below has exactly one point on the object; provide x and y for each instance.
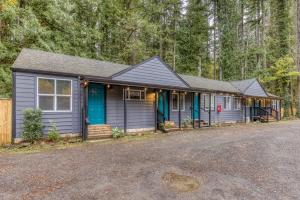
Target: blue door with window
(163, 106)
(96, 103)
(196, 106)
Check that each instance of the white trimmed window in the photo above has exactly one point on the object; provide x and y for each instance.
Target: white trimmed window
(274, 104)
(134, 94)
(175, 102)
(54, 95)
(237, 103)
(227, 102)
(206, 101)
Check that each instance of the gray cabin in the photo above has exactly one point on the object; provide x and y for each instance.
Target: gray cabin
(87, 97)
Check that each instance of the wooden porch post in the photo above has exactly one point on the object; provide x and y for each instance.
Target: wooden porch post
(245, 107)
(199, 109)
(169, 103)
(125, 111)
(164, 105)
(209, 110)
(193, 108)
(84, 111)
(155, 112)
(179, 109)
(280, 104)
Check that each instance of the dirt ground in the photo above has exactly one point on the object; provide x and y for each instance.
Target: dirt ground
(241, 162)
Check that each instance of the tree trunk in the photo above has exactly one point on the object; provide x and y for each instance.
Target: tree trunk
(199, 67)
(174, 55)
(263, 32)
(214, 51)
(298, 57)
(242, 40)
(287, 101)
(258, 56)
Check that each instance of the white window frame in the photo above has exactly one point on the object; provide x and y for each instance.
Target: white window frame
(55, 95)
(212, 100)
(230, 103)
(234, 103)
(182, 100)
(274, 104)
(135, 90)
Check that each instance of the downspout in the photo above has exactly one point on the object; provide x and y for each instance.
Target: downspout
(245, 110)
(179, 110)
(155, 112)
(193, 113)
(209, 110)
(125, 112)
(80, 105)
(199, 109)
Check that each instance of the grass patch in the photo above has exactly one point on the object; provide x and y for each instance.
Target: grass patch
(69, 143)
(39, 146)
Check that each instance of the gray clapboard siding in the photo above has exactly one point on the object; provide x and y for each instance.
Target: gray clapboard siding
(26, 95)
(255, 89)
(224, 116)
(228, 115)
(153, 71)
(140, 114)
(186, 114)
(204, 114)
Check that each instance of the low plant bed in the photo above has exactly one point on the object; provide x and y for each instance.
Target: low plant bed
(42, 145)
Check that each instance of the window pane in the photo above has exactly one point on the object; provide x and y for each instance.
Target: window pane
(135, 95)
(46, 102)
(237, 104)
(212, 107)
(175, 101)
(63, 103)
(206, 102)
(142, 95)
(182, 102)
(126, 94)
(63, 87)
(46, 86)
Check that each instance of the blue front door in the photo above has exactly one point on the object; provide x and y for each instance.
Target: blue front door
(196, 106)
(96, 103)
(163, 106)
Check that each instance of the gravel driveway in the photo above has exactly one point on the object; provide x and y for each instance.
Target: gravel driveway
(241, 162)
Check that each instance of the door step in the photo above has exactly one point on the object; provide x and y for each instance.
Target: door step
(202, 123)
(102, 131)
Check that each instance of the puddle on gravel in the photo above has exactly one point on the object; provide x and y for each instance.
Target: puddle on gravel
(180, 183)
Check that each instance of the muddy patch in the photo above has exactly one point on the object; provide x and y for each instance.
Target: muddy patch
(180, 183)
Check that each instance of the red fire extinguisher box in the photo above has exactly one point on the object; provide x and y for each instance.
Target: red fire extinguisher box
(219, 108)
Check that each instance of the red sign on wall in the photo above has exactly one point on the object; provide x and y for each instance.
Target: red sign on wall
(219, 108)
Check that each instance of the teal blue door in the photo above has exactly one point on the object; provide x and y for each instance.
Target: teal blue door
(96, 103)
(196, 106)
(163, 106)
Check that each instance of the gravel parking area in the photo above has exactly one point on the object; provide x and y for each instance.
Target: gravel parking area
(256, 161)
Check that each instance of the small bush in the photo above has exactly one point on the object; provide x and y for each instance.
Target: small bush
(53, 134)
(187, 122)
(117, 133)
(32, 125)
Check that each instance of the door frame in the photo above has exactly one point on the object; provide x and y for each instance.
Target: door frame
(104, 103)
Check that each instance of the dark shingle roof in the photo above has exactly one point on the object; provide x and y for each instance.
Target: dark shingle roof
(243, 85)
(209, 84)
(38, 60)
(45, 61)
